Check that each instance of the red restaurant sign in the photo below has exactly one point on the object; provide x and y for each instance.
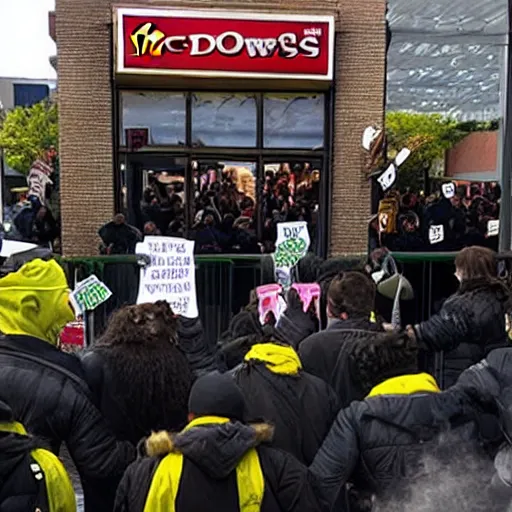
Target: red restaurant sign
(224, 44)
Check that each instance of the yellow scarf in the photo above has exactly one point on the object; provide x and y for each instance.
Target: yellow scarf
(166, 480)
(406, 385)
(277, 358)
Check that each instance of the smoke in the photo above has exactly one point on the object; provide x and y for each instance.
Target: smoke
(455, 478)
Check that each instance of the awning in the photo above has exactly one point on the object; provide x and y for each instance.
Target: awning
(447, 57)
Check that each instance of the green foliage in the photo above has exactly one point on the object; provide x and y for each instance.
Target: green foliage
(427, 135)
(26, 132)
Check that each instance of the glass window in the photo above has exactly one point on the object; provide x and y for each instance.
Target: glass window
(161, 112)
(225, 207)
(293, 121)
(291, 192)
(224, 120)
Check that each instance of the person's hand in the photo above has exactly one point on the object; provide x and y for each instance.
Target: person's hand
(411, 332)
(388, 327)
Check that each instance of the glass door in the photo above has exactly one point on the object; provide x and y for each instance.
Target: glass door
(224, 206)
(156, 193)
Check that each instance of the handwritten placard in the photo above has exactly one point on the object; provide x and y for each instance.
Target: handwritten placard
(436, 234)
(387, 178)
(292, 244)
(493, 228)
(170, 275)
(89, 294)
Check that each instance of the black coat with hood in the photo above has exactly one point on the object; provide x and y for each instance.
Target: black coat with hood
(470, 324)
(208, 479)
(46, 390)
(326, 355)
(379, 445)
(301, 407)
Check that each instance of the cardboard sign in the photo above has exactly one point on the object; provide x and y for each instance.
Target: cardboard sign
(493, 228)
(269, 301)
(387, 178)
(292, 244)
(369, 136)
(402, 156)
(448, 190)
(89, 294)
(171, 275)
(436, 234)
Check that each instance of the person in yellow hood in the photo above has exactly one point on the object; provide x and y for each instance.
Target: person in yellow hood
(34, 301)
(46, 388)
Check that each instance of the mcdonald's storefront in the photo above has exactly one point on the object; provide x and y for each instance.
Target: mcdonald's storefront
(253, 109)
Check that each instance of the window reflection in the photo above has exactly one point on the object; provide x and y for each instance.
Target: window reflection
(291, 192)
(224, 120)
(225, 209)
(293, 121)
(161, 112)
(163, 199)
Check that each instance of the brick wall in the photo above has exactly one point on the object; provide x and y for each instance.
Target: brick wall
(83, 45)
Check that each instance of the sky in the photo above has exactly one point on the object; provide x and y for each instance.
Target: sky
(25, 43)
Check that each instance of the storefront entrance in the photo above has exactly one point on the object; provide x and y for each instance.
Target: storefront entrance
(224, 168)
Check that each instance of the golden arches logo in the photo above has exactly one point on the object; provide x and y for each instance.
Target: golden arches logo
(148, 39)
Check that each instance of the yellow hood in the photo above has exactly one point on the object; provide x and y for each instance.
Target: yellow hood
(406, 385)
(277, 358)
(34, 301)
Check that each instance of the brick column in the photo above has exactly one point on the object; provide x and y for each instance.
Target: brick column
(85, 116)
(359, 102)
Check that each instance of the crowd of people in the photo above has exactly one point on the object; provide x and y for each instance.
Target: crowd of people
(300, 413)
(228, 205)
(447, 220)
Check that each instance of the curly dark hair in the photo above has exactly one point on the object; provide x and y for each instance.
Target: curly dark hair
(142, 324)
(384, 356)
(147, 375)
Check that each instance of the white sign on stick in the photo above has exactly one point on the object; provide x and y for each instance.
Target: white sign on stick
(493, 228)
(171, 275)
(436, 234)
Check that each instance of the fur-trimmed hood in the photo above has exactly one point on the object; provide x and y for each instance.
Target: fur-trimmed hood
(215, 448)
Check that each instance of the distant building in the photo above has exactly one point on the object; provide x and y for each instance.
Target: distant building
(24, 92)
(474, 158)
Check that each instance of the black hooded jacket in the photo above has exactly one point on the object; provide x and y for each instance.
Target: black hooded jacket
(301, 407)
(326, 355)
(386, 444)
(208, 479)
(19, 490)
(470, 324)
(46, 390)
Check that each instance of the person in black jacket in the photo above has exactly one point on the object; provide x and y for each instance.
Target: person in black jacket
(216, 463)
(138, 374)
(191, 341)
(46, 388)
(471, 323)
(350, 304)
(390, 445)
(31, 478)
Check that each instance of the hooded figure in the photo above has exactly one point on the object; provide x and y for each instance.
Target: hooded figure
(401, 437)
(31, 478)
(301, 407)
(45, 387)
(216, 463)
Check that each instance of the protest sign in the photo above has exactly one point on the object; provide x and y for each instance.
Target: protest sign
(493, 228)
(89, 294)
(448, 190)
(171, 274)
(387, 178)
(436, 234)
(292, 244)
